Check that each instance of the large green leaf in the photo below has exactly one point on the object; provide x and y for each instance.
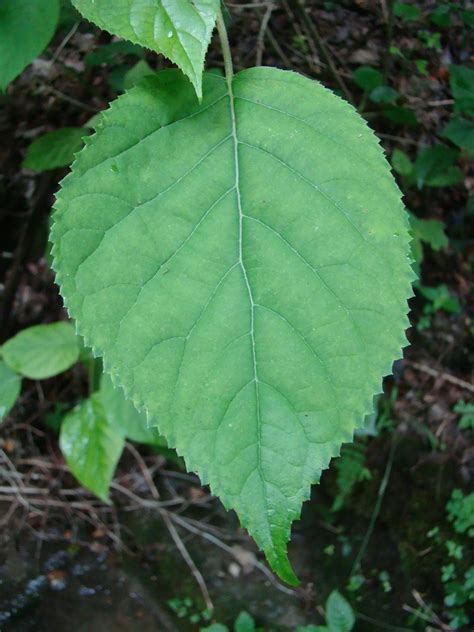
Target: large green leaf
(243, 266)
(10, 386)
(91, 445)
(26, 27)
(180, 29)
(124, 417)
(42, 351)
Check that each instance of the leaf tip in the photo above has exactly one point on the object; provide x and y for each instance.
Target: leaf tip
(280, 565)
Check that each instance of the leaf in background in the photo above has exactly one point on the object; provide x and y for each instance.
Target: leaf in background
(367, 78)
(467, 18)
(434, 167)
(401, 163)
(42, 351)
(124, 417)
(91, 446)
(400, 115)
(339, 613)
(54, 149)
(462, 86)
(180, 30)
(26, 28)
(440, 298)
(384, 94)
(350, 471)
(408, 12)
(244, 623)
(136, 74)
(431, 231)
(441, 16)
(110, 53)
(10, 386)
(460, 131)
(239, 277)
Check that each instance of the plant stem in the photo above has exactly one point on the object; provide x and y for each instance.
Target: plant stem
(229, 68)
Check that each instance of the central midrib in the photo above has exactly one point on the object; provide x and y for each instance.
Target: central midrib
(249, 289)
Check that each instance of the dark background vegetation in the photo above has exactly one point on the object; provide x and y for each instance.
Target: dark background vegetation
(385, 526)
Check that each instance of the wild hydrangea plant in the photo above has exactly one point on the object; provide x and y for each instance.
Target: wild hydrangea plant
(236, 250)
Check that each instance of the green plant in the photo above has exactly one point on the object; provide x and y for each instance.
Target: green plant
(456, 576)
(466, 412)
(350, 471)
(437, 298)
(54, 149)
(36, 353)
(31, 22)
(93, 434)
(425, 231)
(243, 623)
(460, 511)
(433, 167)
(217, 243)
(339, 616)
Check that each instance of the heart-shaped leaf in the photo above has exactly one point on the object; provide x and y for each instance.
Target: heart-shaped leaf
(42, 351)
(242, 265)
(26, 27)
(180, 29)
(91, 445)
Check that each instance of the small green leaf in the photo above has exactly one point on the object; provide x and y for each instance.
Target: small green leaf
(462, 87)
(26, 28)
(367, 78)
(339, 614)
(460, 131)
(384, 94)
(402, 163)
(10, 386)
(42, 351)
(408, 12)
(434, 167)
(400, 115)
(244, 623)
(220, 256)
(215, 627)
(422, 67)
(441, 16)
(467, 17)
(137, 74)
(54, 149)
(430, 231)
(179, 30)
(91, 446)
(112, 53)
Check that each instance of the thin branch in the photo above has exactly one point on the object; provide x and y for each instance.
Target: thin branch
(188, 559)
(441, 375)
(262, 33)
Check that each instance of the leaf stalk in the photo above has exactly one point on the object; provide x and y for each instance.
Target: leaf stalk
(224, 38)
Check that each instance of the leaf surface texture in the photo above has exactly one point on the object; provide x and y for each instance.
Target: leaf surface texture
(180, 29)
(243, 266)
